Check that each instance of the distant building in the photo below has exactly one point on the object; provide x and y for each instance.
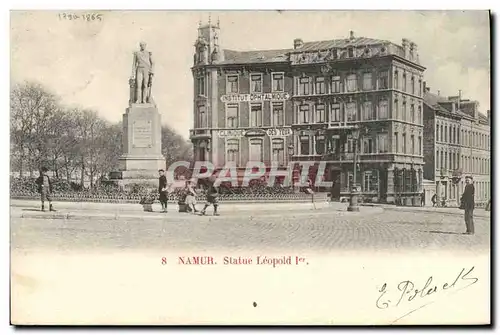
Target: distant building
(300, 104)
(457, 143)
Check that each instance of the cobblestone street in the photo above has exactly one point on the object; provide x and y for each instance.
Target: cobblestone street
(292, 230)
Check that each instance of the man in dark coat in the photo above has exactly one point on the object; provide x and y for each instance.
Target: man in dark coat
(212, 197)
(467, 201)
(163, 191)
(45, 188)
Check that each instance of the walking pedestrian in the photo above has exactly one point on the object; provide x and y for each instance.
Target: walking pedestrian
(190, 196)
(163, 190)
(467, 203)
(212, 197)
(45, 188)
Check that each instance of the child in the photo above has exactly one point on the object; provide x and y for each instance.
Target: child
(190, 196)
(45, 188)
(212, 194)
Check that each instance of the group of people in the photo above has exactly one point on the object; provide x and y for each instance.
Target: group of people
(44, 184)
(188, 195)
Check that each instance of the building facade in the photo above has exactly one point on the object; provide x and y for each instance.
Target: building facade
(302, 104)
(457, 144)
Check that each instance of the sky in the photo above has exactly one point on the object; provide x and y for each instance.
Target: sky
(88, 63)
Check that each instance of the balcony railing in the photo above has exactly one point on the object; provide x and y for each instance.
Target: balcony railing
(199, 133)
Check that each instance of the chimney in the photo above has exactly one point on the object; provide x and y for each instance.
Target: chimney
(351, 35)
(459, 99)
(298, 43)
(405, 44)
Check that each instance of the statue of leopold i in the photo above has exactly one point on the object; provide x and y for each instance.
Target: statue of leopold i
(142, 76)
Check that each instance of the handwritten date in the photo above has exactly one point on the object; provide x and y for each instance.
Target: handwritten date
(82, 17)
(409, 291)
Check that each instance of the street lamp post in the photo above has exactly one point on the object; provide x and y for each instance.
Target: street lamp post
(290, 166)
(353, 203)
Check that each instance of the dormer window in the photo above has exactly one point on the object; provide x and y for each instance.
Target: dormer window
(350, 52)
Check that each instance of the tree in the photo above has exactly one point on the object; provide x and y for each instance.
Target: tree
(174, 147)
(33, 113)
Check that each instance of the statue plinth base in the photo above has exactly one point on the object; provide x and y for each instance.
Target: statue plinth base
(142, 157)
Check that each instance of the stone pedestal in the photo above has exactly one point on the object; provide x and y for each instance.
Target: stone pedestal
(142, 157)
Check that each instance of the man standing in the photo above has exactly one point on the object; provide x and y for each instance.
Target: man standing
(142, 71)
(467, 201)
(212, 197)
(45, 188)
(162, 189)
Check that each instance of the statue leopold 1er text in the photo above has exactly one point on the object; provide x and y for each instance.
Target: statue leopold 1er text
(142, 76)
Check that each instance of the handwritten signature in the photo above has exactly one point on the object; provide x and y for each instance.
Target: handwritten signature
(408, 291)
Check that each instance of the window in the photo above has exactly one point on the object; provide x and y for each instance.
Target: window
(449, 138)
(256, 83)
(412, 85)
(404, 111)
(419, 115)
(278, 114)
(420, 145)
(201, 86)
(256, 115)
(441, 135)
(233, 149)
(412, 143)
(320, 85)
(367, 81)
(352, 83)
(319, 116)
(202, 117)
(232, 116)
(350, 52)
(396, 80)
(304, 86)
(256, 150)
(404, 82)
(383, 143)
(383, 80)
(304, 145)
(404, 143)
(335, 87)
(232, 84)
(351, 111)
(437, 133)
(396, 142)
(368, 110)
(303, 116)
(370, 181)
(278, 147)
(368, 145)
(396, 109)
(445, 139)
(334, 113)
(420, 87)
(412, 113)
(383, 109)
(320, 144)
(278, 82)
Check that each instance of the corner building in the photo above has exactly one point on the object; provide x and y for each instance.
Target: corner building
(301, 104)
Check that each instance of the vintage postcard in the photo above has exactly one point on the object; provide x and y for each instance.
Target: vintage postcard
(250, 167)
